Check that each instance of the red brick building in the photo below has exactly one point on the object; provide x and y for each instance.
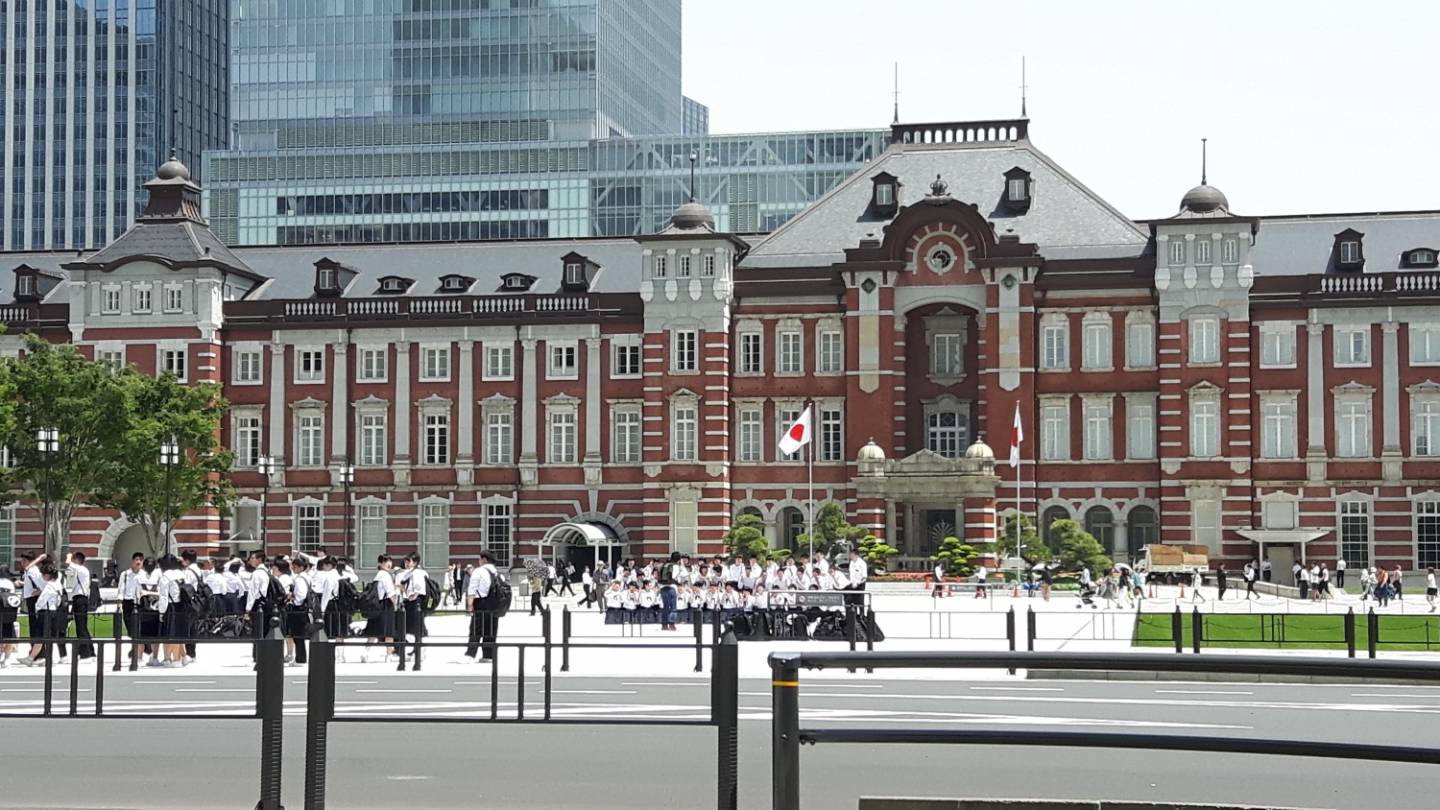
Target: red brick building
(1207, 378)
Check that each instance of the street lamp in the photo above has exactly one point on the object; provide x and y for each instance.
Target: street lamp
(266, 466)
(347, 478)
(47, 443)
(169, 456)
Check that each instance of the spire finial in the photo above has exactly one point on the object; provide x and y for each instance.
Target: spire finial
(896, 93)
(694, 156)
(1203, 160)
(1023, 88)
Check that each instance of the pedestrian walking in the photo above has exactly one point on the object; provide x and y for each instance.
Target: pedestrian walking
(47, 611)
(1249, 574)
(1220, 583)
(567, 576)
(482, 603)
(1340, 573)
(414, 589)
(550, 586)
(939, 584)
(1197, 579)
(1397, 581)
(587, 584)
(1265, 571)
(536, 585)
(80, 603)
(1430, 591)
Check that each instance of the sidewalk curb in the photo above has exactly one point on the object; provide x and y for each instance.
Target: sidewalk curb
(1211, 677)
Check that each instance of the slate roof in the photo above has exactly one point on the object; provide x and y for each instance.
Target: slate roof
(177, 240)
(1066, 219)
(1304, 244)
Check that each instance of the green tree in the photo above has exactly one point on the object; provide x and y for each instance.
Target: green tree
(746, 537)
(1032, 547)
(957, 556)
(875, 551)
(137, 483)
(55, 388)
(1079, 549)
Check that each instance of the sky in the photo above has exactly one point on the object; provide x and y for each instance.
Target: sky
(1309, 107)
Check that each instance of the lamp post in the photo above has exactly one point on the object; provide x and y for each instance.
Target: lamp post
(47, 443)
(169, 456)
(347, 478)
(266, 466)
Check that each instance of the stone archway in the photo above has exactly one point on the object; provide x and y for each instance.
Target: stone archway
(122, 539)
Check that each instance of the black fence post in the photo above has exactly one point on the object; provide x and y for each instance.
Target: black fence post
(1372, 627)
(565, 639)
(725, 714)
(1030, 630)
(520, 683)
(135, 651)
(270, 704)
(697, 618)
(850, 619)
(1010, 631)
(785, 731)
(99, 680)
(869, 631)
(1197, 629)
(1350, 632)
(49, 672)
(319, 708)
(400, 631)
(1177, 633)
(74, 680)
(547, 669)
(115, 631)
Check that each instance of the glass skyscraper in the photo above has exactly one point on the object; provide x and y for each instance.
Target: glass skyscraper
(93, 94)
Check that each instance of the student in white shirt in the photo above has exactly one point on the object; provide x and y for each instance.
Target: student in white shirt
(940, 580)
(859, 573)
(80, 603)
(7, 624)
(47, 610)
(382, 626)
(1430, 591)
(481, 604)
(168, 605)
(257, 589)
(130, 600)
(413, 593)
(32, 582)
(297, 612)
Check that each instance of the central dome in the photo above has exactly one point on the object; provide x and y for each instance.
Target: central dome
(1203, 199)
(173, 169)
(692, 215)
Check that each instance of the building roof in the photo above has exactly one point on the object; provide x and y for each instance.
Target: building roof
(1304, 244)
(180, 241)
(1064, 217)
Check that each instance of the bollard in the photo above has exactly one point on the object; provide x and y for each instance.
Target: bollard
(545, 626)
(725, 714)
(1372, 626)
(74, 681)
(270, 705)
(319, 708)
(49, 673)
(520, 684)
(785, 731)
(400, 630)
(1030, 630)
(116, 633)
(1197, 629)
(1350, 632)
(697, 619)
(565, 639)
(1010, 631)
(850, 629)
(1177, 633)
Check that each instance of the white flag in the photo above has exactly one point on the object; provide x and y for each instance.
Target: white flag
(1017, 435)
(797, 436)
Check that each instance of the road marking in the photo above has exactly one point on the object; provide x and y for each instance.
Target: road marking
(697, 682)
(592, 692)
(152, 682)
(405, 691)
(1431, 696)
(234, 691)
(60, 690)
(405, 778)
(1017, 689)
(1198, 692)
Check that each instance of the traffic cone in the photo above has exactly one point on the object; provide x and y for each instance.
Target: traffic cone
(1015, 592)
(1182, 589)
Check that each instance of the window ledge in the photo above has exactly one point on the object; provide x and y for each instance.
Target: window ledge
(1206, 364)
(1291, 366)
(1105, 370)
(687, 373)
(484, 378)
(833, 374)
(1353, 365)
(1151, 367)
(309, 382)
(945, 380)
(1424, 363)
(1055, 370)
(247, 382)
(789, 374)
(566, 377)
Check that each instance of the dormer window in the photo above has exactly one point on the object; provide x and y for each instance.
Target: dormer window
(1017, 190)
(516, 282)
(327, 277)
(394, 285)
(1349, 250)
(25, 287)
(885, 194)
(574, 273)
(1419, 257)
(455, 284)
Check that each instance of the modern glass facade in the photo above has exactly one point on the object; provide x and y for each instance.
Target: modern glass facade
(697, 118)
(93, 93)
(606, 187)
(320, 74)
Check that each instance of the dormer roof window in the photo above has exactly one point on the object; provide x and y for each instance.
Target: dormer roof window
(1017, 190)
(395, 285)
(1420, 257)
(516, 282)
(25, 287)
(574, 273)
(885, 194)
(331, 277)
(577, 272)
(455, 284)
(1349, 250)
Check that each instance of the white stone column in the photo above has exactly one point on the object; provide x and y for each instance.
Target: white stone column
(403, 414)
(1315, 402)
(592, 406)
(279, 414)
(529, 404)
(1392, 455)
(339, 404)
(465, 410)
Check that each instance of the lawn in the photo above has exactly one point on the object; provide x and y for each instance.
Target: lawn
(1290, 631)
(101, 626)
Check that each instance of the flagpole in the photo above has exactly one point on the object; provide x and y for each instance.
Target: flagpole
(810, 480)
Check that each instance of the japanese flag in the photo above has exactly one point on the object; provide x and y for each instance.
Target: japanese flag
(798, 435)
(1017, 435)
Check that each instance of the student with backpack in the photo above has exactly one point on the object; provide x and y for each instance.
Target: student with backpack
(257, 593)
(297, 612)
(415, 593)
(379, 605)
(487, 599)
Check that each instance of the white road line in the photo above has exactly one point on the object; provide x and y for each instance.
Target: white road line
(593, 692)
(405, 691)
(233, 691)
(149, 682)
(1431, 696)
(698, 682)
(1017, 689)
(58, 689)
(1219, 704)
(1198, 692)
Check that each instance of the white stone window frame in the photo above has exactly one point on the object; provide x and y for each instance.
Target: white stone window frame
(237, 364)
(1204, 252)
(112, 299)
(1134, 402)
(1098, 400)
(161, 350)
(364, 558)
(148, 305)
(837, 406)
(678, 336)
(947, 403)
(436, 405)
(1291, 400)
(743, 407)
(237, 413)
(748, 329)
(1425, 336)
(946, 325)
(175, 287)
(300, 411)
(370, 407)
(626, 343)
(1213, 343)
(1058, 447)
(1057, 323)
(559, 347)
(106, 349)
(825, 330)
(627, 408)
(1279, 330)
(1422, 504)
(493, 349)
(1175, 251)
(383, 352)
(789, 328)
(1134, 320)
(1424, 396)
(787, 410)
(1344, 396)
(309, 506)
(1097, 323)
(498, 405)
(303, 376)
(1230, 250)
(562, 405)
(685, 399)
(442, 372)
(1210, 395)
(1344, 345)
(423, 519)
(1367, 502)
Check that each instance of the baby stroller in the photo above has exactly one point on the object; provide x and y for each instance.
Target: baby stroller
(1087, 596)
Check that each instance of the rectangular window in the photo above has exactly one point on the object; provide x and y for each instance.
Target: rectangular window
(792, 359)
(1355, 533)
(7, 535)
(832, 353)
(751, 435)
(947, 432)
(309, 528)
(1139, 430)
(310, 441)
(947, 355)
(372, 440)
(1427, 534)
(309, 365)
(499, 362)
(1206, 516)
(1279, 513)
(248, 365)
(564, 361)
(437, 438)
(1349, 252)
(625, 360)
(1352, 346)
(1055, 345)
(660, 269)
(1095, 346)
(499, 439)
(1230, 251)
(1177, 252)
(562, 437)
(1140, 344)
(1353, 417)
(682, 270)
(1055, 432)
(435, 534)
(707, 266)
(1424, 345)
(499, 533)
(1204, 340)
(1097, 431)
(884, 194)
(110, 299)
(1425, 417)
(112, 359)
(784, 419)
(625, 441)
(750, 353)
(142, 298)
(1015, 189)
(1205, 427)
(370, 532)
(435, 363)
(247, 441)
(683, 433)
(683, 526)
(1202, 251)
(685, 351)
(174, 298)
(832, 438)
(574, 274)
(1277, 429)
(372, 365)
(172, 361)
(1277, 348)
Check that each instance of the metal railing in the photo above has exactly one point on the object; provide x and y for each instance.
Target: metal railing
(787, 735)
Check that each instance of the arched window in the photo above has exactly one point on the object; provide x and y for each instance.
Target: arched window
(750, 510)
(1047, 518)
(793, 522)
(1143, 528)
(1100, 523)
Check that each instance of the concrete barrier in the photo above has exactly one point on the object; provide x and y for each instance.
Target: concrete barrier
(917, 803)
